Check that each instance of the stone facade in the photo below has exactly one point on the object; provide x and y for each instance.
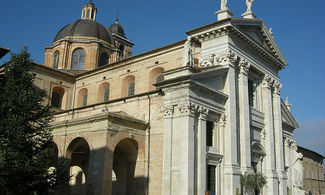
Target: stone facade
(314, 182)
(187, 118)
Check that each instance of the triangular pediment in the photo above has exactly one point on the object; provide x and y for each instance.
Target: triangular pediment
(255, 30)
(287, 117)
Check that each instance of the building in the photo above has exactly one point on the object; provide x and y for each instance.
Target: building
(187, 118)
(314, 182)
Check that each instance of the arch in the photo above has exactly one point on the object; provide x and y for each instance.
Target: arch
(124, 163)
(78, 155)
(56, 59)
(103, 59)
(128, 86)
(87, 15)
(57, 97)
(82, 97)
(103, 92)
(78, 59)
(257, 154)
(155, 76)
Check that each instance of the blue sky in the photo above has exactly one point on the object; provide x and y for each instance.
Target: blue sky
(298, 27)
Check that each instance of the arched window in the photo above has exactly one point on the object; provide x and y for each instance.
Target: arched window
(56, 58)
(82, 97)
(106, 94)
(128, 86)
(57, 95)
(87, 16)
(78, 59)
(103, 59)
(155, 76)
(131, 88)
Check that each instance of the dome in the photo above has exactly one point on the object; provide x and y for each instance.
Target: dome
(117, 29)
(86, 28)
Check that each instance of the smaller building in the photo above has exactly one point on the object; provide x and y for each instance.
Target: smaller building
(314, 182)
(3, 51)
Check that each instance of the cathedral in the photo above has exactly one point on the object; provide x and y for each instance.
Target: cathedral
(190, 117)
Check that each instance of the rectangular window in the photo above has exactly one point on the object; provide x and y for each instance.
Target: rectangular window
(84, 100)
(211, 179)
(209, 133)
(131, 89)
(252, 93)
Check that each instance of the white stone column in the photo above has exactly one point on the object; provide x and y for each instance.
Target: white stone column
(201, 151)
(244, 119)
(287, 144)
(167, 150)
(272, 183)
(278, 135)
(231, 168)
(221, 150)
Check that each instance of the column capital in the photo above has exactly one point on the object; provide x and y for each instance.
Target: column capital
(203, 113)
(188, 108)
(267, 81)
(223, 120)
(228, 57)
(168, 110)
(243, 66)
(277, 87)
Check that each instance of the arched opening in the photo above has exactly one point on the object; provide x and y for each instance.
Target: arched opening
(55, 154)
(57, 97)
(78, 59)
(103, 92)
(78, 154)
(155, 76)
(258, 154)
(82, 97)
(121, 52)
(56, 58)
(128, 86)
(124, 163)
(103, 59)
(87, 16)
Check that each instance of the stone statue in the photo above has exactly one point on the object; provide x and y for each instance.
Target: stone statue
(224, 4)
(188, 53)
(249, 4)
(298, 170)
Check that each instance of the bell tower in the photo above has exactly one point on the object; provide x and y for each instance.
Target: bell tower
(89, 11)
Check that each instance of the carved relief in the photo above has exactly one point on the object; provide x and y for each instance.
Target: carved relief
(223, 120)
(216, 59)
(203, 113)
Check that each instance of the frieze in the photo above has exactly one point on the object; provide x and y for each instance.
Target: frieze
(188, 108)
(219, 59)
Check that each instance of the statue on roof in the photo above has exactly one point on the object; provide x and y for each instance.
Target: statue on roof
(224, 4)
(249, 4)
(188, 53)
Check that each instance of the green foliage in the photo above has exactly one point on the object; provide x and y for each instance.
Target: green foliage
(25, 136)
(253, 181)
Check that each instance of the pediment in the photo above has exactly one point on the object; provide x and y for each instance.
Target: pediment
(287, 117)
(256, 31)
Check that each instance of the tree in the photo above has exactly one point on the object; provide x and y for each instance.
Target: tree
(25, 134)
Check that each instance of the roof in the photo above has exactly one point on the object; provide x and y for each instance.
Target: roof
(85, 28)
(3, 51)
(305, 150)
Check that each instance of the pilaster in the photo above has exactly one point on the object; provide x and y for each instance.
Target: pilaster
(278, 135)
(272, 183)
(201, 151)
(231, 168)
(244, 119)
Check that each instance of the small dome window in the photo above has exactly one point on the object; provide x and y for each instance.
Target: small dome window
(56, 60)
(103, 59)
(78, 59)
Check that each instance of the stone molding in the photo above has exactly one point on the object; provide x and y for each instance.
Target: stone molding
(218, 59)
(188, 108)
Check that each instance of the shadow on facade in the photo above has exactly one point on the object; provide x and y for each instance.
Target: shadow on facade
(93, 172)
